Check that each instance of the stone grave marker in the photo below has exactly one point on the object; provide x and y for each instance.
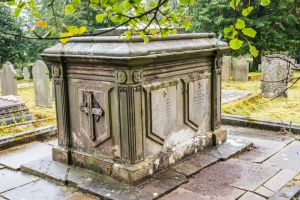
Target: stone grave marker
(8, 80)
(137, 114)
(25, 73)
(240, 70)
(12, 110)
(276, 71)
(226, 68)
(40, 75)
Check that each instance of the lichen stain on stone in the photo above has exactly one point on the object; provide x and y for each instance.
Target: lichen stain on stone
(171, 160)
(150, 171)
(177, 137)
(116, 151)
(157, 162)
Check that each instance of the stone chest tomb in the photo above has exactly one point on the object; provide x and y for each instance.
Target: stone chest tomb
(129, 109)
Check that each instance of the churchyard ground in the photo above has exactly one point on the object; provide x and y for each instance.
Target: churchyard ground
(280, 109)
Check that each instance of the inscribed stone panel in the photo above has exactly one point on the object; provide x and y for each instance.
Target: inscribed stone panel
(163, 111)
(198, 100)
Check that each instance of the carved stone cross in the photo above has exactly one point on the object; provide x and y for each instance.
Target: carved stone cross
(92, 109)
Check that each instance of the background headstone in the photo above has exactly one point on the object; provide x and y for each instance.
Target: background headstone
(240, 70)
(26, 73)
(226, 68)
(275, 74)
(259, 67)
(40, 74)
(8, 80)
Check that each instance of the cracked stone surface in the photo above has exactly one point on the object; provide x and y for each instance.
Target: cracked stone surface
(41, 189)
(252, 196)
(280, 180)
(264, 192)
(194, 164)
(17, 156)
(230, 148)
(47, 168)
(11, 179)
(287, 158)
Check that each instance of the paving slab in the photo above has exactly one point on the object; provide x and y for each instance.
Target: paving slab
(215, 181)
(47, 168)
(15, 157)
(184, 194)
(280, 180)
(106, 187)
(41, 189)
(157, 184)
(230, 148)
(287, 192)
(263, 150)
(287, 158)
(252, 196)
(194, 164)
(80, 196)
(258, 134)
(252, 175)
(10, 179)
(264, 192)
(266, 143)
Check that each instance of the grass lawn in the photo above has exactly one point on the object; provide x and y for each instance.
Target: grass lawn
(280, 109)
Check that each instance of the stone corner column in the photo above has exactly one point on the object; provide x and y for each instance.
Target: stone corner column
(61, 153)
(219, 135)
(130, 115)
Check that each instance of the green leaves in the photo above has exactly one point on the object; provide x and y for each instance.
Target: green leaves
(100, 17)
(249, 32)
(187, 2)
(186, 24)
(69, 9)
(76, 3)
(253, 51)
(230, 32)
(153, 4)
(247, 11)
(234, 3)
(265, 2)
(235, 43)
(19, 8)
(240, 24)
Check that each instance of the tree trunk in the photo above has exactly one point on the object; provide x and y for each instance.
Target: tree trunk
(256, 62)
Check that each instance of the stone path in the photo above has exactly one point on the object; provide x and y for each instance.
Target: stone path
(232, 95)
(271, 169)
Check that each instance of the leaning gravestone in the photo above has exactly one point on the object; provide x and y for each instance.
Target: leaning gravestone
(40, 74)
(276, 72)
(25, 73)
(226, 68)
(8, 80)
(240, 70)
(130, 109)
